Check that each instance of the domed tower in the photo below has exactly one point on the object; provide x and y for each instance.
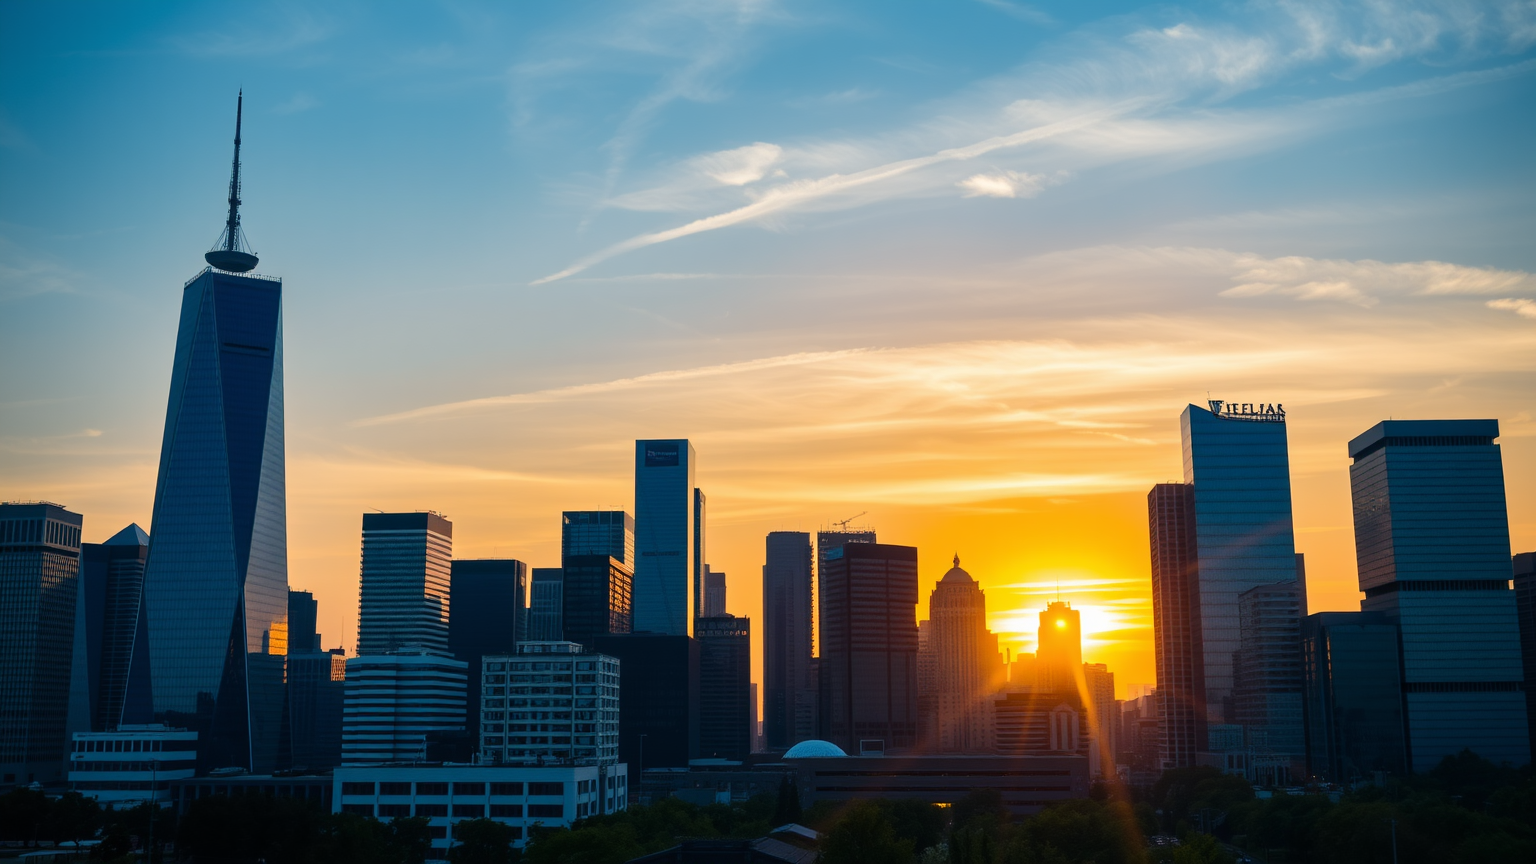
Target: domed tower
(964, 657)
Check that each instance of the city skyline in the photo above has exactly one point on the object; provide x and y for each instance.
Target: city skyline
(1013, 369)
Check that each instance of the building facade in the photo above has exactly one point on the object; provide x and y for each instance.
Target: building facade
(868, 669)
(131, 764)
(598, 532)
(1103, 715)
(1353, 697)
(658, 698)
(1176, 626)
(966, 668)
(39, 593)
(1059, 651)
(1525, 612)
(491, 617)
(595, 597)
(216, 579)
(551, 701)
(668, 566)
(112, 588)
(1267, 682)
(546, 605)
(725, 676)
(714, 593)
(1432, 545)
(317, 683)
(396, 705)
(406, 582)
(1026, 784)
(789, 697)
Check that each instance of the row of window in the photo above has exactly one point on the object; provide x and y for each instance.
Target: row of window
(146, 767)
(132, 746)
(460, 811)
(543, 666)
(475, 789)
(33, 531)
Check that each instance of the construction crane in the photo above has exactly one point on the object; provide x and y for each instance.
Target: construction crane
(845, 522)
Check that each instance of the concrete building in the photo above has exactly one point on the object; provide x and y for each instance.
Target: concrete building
(551, 701)
(303, 785)
(668, 560)
(406, 582)
(1176, 626)
(131, 764)
(789, 695)
(1103, 715)
(868, 669)
(397, 705)
(967, 669)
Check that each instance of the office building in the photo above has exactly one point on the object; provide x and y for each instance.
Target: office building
(725, 678)
(829, 539)
(313, 786)
(131, 764)
(1176, 626)
(551, 701)
(1059, 652)
(668, 564)
(1267, 682)
(111, 588)
(521, 797)
(658, 698)
(1353, 696)
(1525, 612)
(546, 605)
(490, 617)
(397, 705)
(789, 695)
(1141, 739)
(1432, 544)
(966, 667)
(1041, 723)
(595, 597)
(407, 577)
(868, 670)
(1103, 715)
(39, 589)
(598, 532)
(316, 696)
(714, 593)
(303, 615)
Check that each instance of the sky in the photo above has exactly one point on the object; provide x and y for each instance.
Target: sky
(949, 269)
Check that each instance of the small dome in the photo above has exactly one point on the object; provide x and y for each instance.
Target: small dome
(955, 574)
(814, 749)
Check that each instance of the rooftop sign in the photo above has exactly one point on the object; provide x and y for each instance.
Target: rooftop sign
(1258, 412)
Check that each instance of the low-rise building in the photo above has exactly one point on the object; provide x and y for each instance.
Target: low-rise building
(288, 784)
(396, 704)
(132, 765)
(520, 796)
(551, 701)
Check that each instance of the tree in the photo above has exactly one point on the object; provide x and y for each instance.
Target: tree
(23, 813)
(482, 841)
(862, 835)
(590, 844)
(73, 818)
(1201, 849)
(1080, 830)
(787, 807)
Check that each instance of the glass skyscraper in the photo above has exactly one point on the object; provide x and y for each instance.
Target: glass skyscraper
(39, 587)
(1354, 696)
(546, 605)
(725, 678)
(1432, 544)
(668, 553)
(489, 617)
(598, 532)
(868, 674)
(112, 586)
(789, 696)
(594, 598)
(216, 580)
(407, 573)
(1176, 627)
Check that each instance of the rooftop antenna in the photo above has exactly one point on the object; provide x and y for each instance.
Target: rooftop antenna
(231, 253)
(845, 522)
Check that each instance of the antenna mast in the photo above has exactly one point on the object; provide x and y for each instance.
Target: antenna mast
(230, 252)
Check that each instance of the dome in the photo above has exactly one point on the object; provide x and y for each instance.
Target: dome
(955, 574)
(814, 749)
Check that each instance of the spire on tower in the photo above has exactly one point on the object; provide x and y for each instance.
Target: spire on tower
(231, 252)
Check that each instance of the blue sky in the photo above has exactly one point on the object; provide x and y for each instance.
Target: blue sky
(884, 256)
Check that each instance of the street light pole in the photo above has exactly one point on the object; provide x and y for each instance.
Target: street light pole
(1393, 820)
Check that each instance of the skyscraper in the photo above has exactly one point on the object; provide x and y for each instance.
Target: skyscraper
(966, 667)
(725, 676)
(1432, 543)
(1059, 656)
(407, 577)
(112, 586)
(39, 588)
(303, 613)
(667, 554)
(1353, 696)
(598, 532)
(868, 673)
(1103, 714)
(714, 593)
(398, 704)
(1176, 627)
(595, 598)
(489, 617)
(1267, 682)
(546, 604)
(789, 703)
(658, 698)
(316, 693)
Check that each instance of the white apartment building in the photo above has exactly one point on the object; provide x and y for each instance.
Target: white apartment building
(550, 702)
(131, 765)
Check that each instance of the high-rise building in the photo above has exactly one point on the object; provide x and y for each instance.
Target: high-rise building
(303, 616)
(714, 593)
(965, 671)
(546, 605)
(598, 532)
(316, 693)
(1176, 627)
(111, 586)
(699, 567)
(1103, 714)
(39, 590)
(1525, 612)
(789, 695)
(571, 715)
(595, 598)
(826, 541)
(1432, 544)
(407, 577)
(1267, 682)
(725, 677)
(754, 712)
(397, 704)
(489, 617)
(658, 698)
(868, 669)
(1353, 696)
(1059, 653)
(668, 566)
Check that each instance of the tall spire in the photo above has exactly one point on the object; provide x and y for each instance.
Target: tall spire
(231, 252)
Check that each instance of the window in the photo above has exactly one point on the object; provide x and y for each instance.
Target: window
(469, 788)
(437, 832)
(359, 809)
(546, 811)
(438, 810)
(546, 788)
(394, 788)
(357, 789)
(431, 788)
(469, 811)
(391, 811)
(506, 811)
(506, 788)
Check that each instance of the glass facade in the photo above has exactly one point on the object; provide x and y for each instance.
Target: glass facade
(868, 669)
(489, 599)
(1267, 682)
(216, 580)
(658, 698)
(1176, 628)
(1432, 545)
(1354, 696)
(725, 675)
(789, 698)
(316, 688)
(595, 598)
(407, 576)
(112, 586)
(598, 532)
(667, 553)
(546, 604)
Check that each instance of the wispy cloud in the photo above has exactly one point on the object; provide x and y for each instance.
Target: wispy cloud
(299, 103)
(1522, 306)
(1363, 283)
(297, 28)
(1004, 184)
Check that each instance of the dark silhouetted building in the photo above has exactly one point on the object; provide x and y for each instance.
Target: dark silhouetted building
(1354, 697)
(668, 561)
(598, 532)
(725, 678)
(868, 669)
(112, 590)
(966, 668)
(316, 692)
(789, 695)
(1432, 544)
(658, 698)
(714, 593)
(303, 617)
(407, 577)
(595, 597)
(546, 605)
(1059, 654)
(1267, 682)
(39, 591)
(489, 596)
(1525, 609)
(1176, 627)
